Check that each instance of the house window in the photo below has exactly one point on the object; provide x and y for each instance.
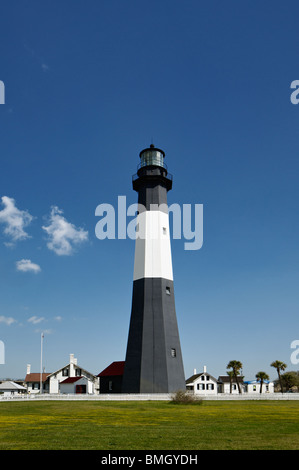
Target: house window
(254, 388)
(173, 352)
(202, 377)
(65, 372)
(78, 373)
(110, 386)
(168, 290)
(208, 377)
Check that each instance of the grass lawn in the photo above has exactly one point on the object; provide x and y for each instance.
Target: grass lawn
(106, 425)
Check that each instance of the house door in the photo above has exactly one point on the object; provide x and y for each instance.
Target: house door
(80, 388)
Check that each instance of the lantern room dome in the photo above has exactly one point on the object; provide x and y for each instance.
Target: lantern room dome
(152, 156)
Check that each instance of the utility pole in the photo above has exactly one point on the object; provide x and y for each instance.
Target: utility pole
(41, 364)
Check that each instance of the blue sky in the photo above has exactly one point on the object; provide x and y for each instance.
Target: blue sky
(90, 84)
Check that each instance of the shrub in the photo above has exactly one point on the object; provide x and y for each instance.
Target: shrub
(184, 397)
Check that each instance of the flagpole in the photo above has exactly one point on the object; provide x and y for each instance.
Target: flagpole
(41, 364)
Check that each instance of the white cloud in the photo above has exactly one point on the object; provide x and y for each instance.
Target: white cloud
(46, 332)
(58, 318)
(36, 57)
(62, 234)
(14, 219)
(44, 67)
(35, 320)
(7, 320)
(26, 265)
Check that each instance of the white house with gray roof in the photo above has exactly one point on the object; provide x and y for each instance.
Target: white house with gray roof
(202, 383)
(9, 387)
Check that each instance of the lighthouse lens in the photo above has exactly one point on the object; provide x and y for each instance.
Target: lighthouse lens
(150, 157)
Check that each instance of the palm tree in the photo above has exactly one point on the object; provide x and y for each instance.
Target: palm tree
(262, 376)
(230, 373)
(236, 366)
(279, 366)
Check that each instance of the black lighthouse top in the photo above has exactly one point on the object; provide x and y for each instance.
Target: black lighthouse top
(152, 169)
(152, 156)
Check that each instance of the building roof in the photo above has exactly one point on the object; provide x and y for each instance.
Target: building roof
(71, 380)
(226, 379)
(256, 382)
(195, 376)
(35, 377)
(115, 368)
(9, 385)
(76, 366)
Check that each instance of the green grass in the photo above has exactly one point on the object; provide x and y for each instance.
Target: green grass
(150, 425)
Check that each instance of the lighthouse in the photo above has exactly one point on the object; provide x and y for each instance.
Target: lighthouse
(153, 358)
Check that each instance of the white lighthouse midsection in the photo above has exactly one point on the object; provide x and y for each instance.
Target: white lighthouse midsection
(152, 246)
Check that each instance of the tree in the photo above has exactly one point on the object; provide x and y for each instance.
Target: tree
(290, 379)
(262, 376)
(236, 366)
(279, 366)
(230, 373)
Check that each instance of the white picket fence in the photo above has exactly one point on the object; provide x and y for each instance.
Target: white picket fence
(146, 397)
(81, 397)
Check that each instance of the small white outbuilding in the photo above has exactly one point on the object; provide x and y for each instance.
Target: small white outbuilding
(11, 388)
(77, 385)
(254, 386)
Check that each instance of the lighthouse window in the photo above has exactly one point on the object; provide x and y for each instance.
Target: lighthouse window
(173, 352)
(168, 290)
(164, 230)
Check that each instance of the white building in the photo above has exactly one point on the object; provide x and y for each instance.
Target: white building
(202, 383)
(11, 388)
(88, 381)
(34, 380)
(70, 378)
(254, 386)
(77, 385)
(229, 385)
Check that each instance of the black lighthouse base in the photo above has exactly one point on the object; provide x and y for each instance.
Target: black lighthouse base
(153, 359)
